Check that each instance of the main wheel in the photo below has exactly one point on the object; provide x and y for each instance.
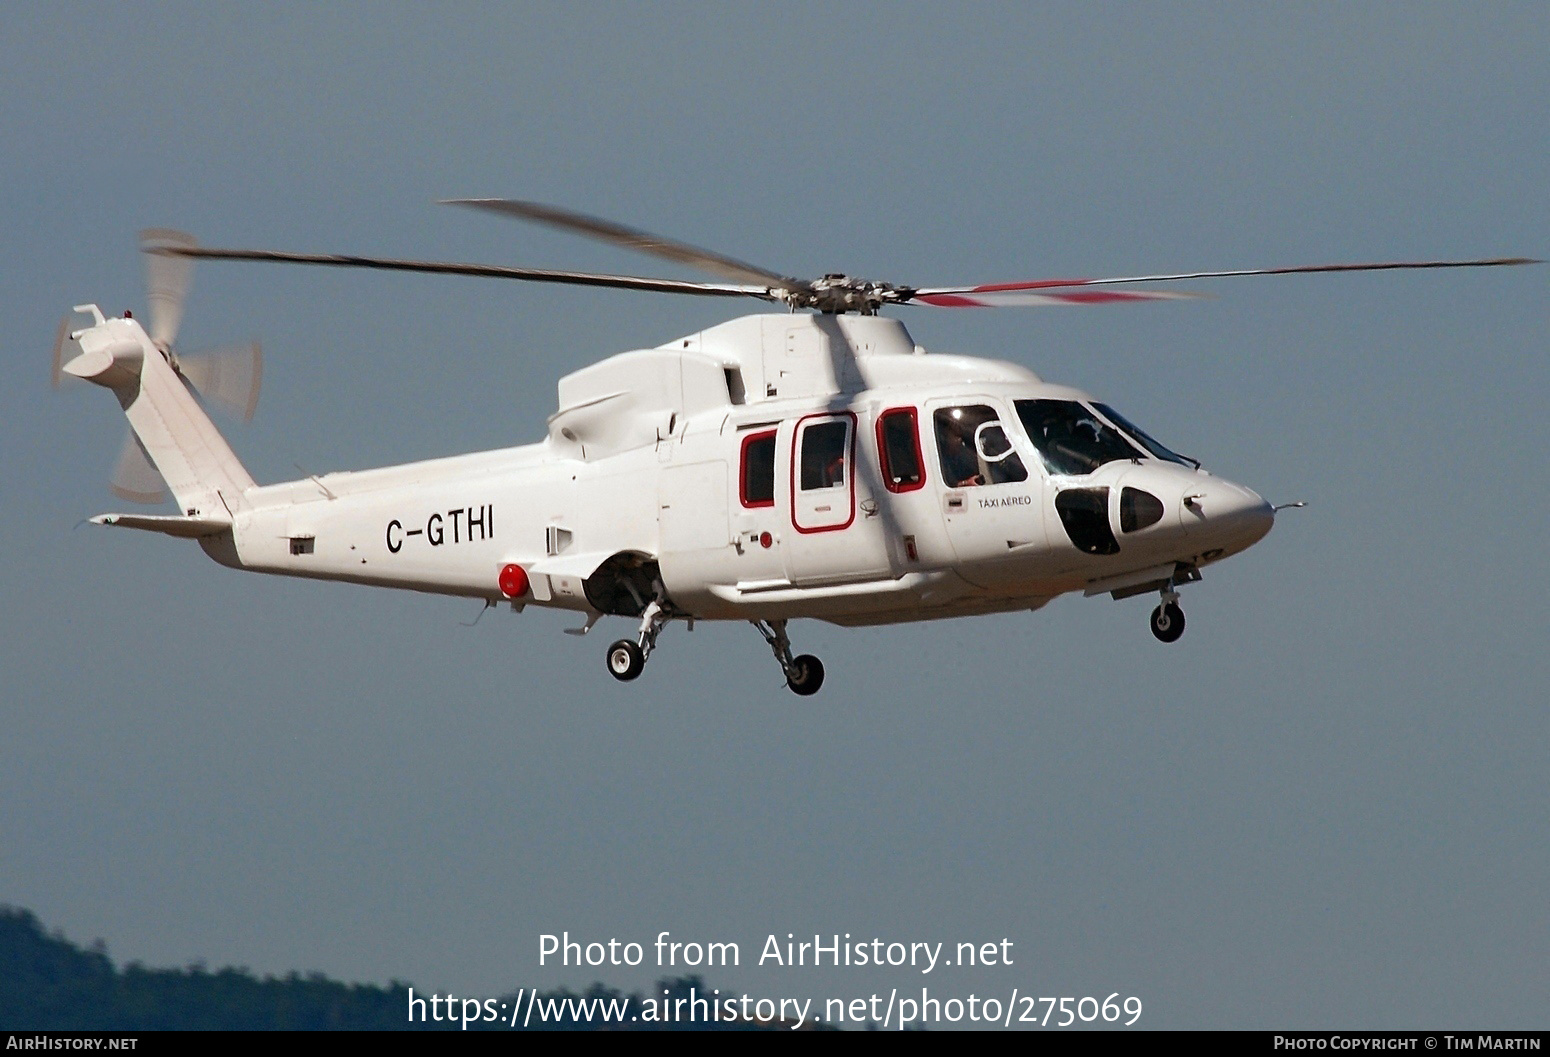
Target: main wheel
(625, 660)
(808, 677)
(1168, 622)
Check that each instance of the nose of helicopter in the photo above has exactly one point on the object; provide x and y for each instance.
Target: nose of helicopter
(1235, 517)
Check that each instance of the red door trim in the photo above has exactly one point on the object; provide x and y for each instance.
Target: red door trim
(850, 470)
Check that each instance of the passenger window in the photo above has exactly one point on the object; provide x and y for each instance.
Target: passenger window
(898, 449)
(975, 449)
(824, 452)
(756, 480)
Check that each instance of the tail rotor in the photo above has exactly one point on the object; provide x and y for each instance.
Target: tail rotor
(228, 378)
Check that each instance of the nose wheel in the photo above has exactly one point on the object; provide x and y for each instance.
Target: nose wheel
(625, 660)
(1168, 618)
(804, 673)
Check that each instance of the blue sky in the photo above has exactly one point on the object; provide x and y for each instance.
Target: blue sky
(1325, 806)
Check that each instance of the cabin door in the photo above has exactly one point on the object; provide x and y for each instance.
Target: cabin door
(833, 532)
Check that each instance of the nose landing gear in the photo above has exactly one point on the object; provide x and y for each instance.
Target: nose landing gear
(1168, 618)
(804, 673)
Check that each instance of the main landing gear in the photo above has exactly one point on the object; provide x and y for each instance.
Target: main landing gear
(1168, 618)
(804, 673)
(627, 659)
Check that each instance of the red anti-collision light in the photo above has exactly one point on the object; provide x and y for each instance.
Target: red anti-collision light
(766, 540)
(513, 581)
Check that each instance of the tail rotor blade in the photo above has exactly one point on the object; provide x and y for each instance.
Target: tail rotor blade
(168, 277)
(135, 480)
(229, 378)
(61, 336)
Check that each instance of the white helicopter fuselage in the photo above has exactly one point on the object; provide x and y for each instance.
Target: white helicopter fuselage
(810, 464)
(744, 473)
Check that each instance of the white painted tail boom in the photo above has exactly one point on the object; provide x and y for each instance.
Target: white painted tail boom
(202, 471)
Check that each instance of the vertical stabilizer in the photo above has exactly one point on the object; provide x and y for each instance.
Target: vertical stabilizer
(198, 465)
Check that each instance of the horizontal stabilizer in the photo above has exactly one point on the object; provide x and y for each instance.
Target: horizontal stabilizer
(182, 527)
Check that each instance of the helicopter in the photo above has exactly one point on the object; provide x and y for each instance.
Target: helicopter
(809, 463)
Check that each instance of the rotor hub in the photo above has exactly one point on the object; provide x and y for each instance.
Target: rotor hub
(836, 294)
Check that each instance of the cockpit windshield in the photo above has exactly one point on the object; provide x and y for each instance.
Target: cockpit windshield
(1071, 439)
(1157, 450)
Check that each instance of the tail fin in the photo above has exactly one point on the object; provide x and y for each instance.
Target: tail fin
(199, 467)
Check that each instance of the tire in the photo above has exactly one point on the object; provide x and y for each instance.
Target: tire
(1168, 622)
(624, 660)
(808, 677)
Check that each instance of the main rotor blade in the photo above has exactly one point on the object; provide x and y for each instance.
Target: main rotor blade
(927, 294)
(712, 263)
(1033, 299)
(625, 282)
(168, 278)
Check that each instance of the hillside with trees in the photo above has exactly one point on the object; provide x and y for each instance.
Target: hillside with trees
(48, 983)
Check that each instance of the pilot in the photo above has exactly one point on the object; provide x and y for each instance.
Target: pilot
(960, 464)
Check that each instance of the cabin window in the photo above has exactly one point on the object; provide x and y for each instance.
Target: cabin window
(898, 450)
(756, 479)
(824, 450)
(975, 449)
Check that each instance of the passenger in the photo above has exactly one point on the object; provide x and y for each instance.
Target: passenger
(834, 473)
